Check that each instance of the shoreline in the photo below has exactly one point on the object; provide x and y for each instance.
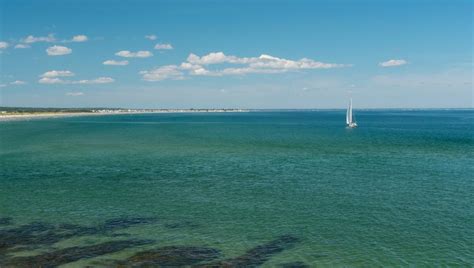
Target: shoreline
(30, 116)
(26, 116)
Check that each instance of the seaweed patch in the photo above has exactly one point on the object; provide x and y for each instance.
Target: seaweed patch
(42, 234)
(5, 221)
(171, 256)
(257, 255)
(296, 264)
(179, 225)
(67, 255)
(36, 235)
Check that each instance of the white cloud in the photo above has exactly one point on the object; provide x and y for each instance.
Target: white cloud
(392, 63)
(263, 64)
(249, 70)
(79, 38)
(138, 54)
(162, 73)
(267, 61)
(22, 46)
(32, 39)
(2, 85)
(55, 80)
(49, 80)
(151, 37)
(216, 58)
(100, 80)
(18, 83)
(194, 69)
(58, 51)
(115, 62)
(163, 46)
(57, 74)
(74, 94)
(4, 45)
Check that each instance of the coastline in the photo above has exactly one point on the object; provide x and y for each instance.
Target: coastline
(30, 116)
(5, 117)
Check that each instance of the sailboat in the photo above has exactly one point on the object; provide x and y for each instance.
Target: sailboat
(350, 119)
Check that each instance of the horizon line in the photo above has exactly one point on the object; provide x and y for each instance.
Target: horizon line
(249, 109)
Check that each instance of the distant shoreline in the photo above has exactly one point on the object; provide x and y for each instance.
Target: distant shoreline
(38, 115)
(27, 116)
(23, 115)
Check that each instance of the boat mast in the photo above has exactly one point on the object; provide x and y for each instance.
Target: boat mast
(349, 113)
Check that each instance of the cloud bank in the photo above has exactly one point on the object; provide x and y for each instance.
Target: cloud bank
(54, 73)
(79, 38)
(4, 45)
(151, 37)
(17, 46)
(18, 83)
(138, 54)
(55, 80)
(393, 63)
(115, 62)
(58, 51)
(32, 39)
(198, 66)
(163, 46)
(74, 94)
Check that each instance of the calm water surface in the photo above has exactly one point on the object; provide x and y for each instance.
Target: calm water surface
(398, 190)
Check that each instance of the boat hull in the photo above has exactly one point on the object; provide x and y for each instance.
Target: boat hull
(352, 125)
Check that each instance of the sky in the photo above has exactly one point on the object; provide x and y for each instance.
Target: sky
(236, 54)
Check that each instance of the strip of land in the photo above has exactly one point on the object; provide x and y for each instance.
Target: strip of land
(11, 113)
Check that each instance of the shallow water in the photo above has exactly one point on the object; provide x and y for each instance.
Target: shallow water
(269, 188)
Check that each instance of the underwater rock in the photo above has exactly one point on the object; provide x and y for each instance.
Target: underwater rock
(67, 255)
(296, 264)
(39, 234)
(110, 225)
(120, 223)
(178, 225)
(171, 256)
(5, 221)
(257, 255)
(36, 233)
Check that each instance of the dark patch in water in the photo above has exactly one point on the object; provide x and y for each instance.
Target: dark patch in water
(296, 264)
(259, 254)
(40, 234)
(36, 235)
(72, 254)
(172, 256)
(179, 225)
(110, 226)
(121, 223)
(120, 235)
(5, 221)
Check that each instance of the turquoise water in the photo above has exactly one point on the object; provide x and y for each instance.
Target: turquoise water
(398, 190)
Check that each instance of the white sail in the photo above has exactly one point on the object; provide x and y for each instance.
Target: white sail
(349, 118)
(349, 113)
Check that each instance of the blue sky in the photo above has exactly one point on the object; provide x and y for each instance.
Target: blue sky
(245, 54)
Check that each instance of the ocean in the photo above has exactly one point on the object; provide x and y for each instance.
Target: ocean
(267, 188)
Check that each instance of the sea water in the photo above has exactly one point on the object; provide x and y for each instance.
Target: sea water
(397, 190)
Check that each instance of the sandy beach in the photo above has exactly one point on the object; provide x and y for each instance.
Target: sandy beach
(30, 116)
